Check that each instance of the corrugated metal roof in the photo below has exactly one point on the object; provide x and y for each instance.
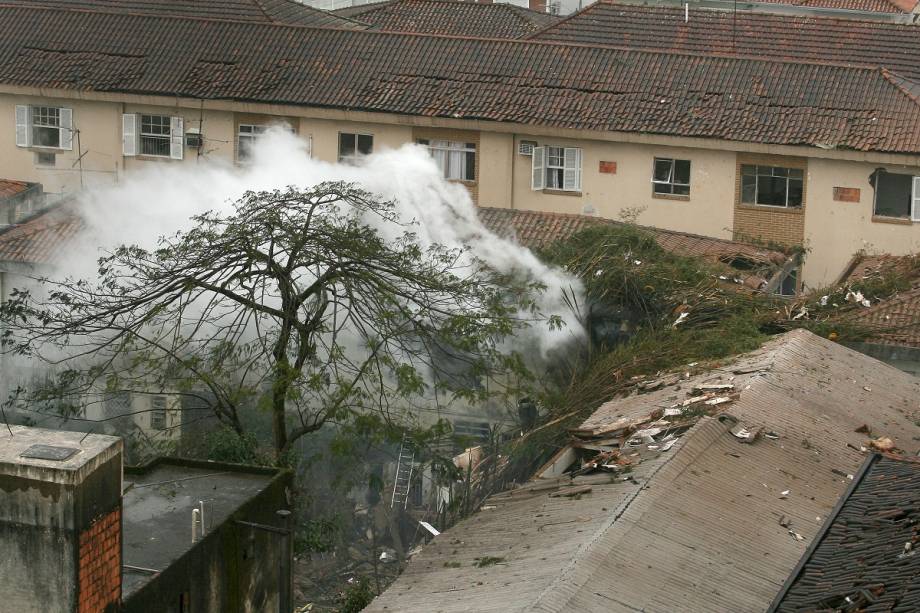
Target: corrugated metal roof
(702, 533)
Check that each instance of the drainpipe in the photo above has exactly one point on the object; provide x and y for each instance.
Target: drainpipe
(513, 158)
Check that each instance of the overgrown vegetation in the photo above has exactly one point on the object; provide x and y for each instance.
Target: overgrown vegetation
(357, 596)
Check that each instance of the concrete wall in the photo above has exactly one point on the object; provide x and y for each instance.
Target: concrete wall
(833, 230)
(234, 568)
(56, 518)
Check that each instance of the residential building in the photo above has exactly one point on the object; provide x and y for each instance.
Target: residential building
(80, 533)
(775, 149)
(865, 556)
(700, 495)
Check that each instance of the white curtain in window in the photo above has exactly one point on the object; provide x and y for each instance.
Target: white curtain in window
(456, 163)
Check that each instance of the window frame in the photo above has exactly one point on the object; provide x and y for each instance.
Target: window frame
(32, 118)
(251, 138)
(356, 154)
(913, 214)
(757, 175)
(158, 415)
(161, 138)
(571, 169)
(447, 146)
(55, 127)
(671, 182)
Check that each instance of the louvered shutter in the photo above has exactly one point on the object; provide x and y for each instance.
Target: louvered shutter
(129, 134)
(66, 129)
(915, 197)
(538, 169)
(571, 175)
(175, 138)
(23, 130)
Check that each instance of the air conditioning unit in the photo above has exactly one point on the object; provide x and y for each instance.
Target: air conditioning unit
(193, 139)
(525, 147)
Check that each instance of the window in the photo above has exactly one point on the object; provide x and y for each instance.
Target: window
(789, 285)
(456, 160)
(557, 168)
(247, 136)
(158, 412)
(896, 195)
(353, 146)
(772, 185)
(44, 126)
(671, 177)
(472, 429)
(152, 135)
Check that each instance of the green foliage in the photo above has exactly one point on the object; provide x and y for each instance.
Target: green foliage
(357, 596)
(226, 445)
(317, 535)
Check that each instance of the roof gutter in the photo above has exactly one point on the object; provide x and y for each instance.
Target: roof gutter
(819, 537)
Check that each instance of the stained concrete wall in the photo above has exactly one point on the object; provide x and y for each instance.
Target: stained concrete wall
(45, 508)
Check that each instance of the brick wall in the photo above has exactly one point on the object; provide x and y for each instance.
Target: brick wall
(100, 564)
(767, 223)
(465, 136)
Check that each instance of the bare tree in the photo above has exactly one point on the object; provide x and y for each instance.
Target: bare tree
(294, 302)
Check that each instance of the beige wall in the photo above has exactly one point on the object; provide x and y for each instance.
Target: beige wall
(708, 210)
(832, 230)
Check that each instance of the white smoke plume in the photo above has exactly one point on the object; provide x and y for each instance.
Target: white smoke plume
(160, 200)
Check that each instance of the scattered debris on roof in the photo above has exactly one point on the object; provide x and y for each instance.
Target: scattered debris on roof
(612, 525)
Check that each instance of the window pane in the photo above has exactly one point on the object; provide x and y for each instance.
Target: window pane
(46, 137)
(795, 193)
(346, 145)
(748, 170)
(422, 141)
(780, 172)
(682, 171)
(683, 190)
(554, 178)
(470, 166)
(662, 188)
(797, 173)
(892, 194)
(663, 170)
(748, 189)
(365, 144)
(771, 190)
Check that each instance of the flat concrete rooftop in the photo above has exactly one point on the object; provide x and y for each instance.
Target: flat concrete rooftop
(157, 510)
(57, 456)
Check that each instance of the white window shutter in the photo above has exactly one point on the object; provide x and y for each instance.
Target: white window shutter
(915, 197)
(129, 134)
(66, 141)
(538, 169)
(23, 127)
(310, 146)
(175, 138)
(571, 175)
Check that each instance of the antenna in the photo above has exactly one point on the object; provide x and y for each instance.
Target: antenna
(686, 12)
(734, 24)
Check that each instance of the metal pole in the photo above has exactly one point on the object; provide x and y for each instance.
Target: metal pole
(286, 598)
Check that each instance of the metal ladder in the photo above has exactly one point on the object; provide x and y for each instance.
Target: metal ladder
(405, 464)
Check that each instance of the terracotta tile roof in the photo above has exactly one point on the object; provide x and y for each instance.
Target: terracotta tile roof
(9, 187)
(41, 238)
(452, 17)
(761, 35)
(894, 320)
(866, 559)
(538, 229)
(696, 529)
(869, 6)
(523, 82)
(256, 11)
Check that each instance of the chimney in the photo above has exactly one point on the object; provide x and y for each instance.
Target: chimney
(537, 5)
(60, 521)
